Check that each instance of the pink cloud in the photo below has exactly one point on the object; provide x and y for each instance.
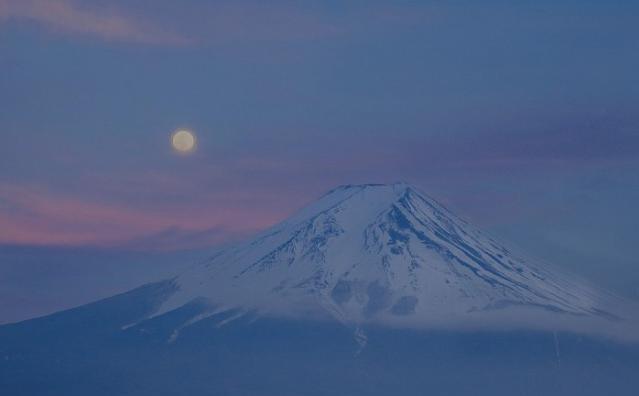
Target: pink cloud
(211, 23)
(32, 215)
(108, 24)
(205, 23)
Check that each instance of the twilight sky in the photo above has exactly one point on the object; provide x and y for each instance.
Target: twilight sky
(522, 118)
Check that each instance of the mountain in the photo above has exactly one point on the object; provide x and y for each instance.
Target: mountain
(384, 254)
(371, 290)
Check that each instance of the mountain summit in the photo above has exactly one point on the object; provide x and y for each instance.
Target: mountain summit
(385, 254)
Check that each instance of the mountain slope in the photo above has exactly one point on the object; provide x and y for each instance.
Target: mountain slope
(91, 350)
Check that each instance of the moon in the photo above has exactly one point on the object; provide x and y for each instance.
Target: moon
(183, 141)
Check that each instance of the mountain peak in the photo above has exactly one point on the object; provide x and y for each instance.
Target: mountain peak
(361, 200)
(396, 188)
(372, 186)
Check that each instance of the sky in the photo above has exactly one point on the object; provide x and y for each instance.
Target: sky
(523, 117)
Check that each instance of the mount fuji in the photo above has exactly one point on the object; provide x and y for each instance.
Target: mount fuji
(372, 289)
(383, 254)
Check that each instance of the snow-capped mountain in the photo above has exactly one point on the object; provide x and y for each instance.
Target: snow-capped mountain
(371, 290)
(381, 253)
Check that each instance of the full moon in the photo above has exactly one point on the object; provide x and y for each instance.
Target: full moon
(183, 141)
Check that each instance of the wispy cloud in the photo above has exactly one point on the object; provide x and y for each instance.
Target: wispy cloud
(205, 23)
(68, 16)
(33, 215)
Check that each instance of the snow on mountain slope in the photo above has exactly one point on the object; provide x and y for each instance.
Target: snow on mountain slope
(382, 254)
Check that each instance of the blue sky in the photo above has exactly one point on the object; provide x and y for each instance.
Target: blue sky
(523, 117)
